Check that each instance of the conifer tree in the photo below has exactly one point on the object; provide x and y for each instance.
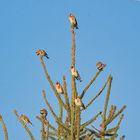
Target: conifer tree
(69, 126)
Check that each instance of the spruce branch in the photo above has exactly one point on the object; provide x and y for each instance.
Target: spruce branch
(51, 83)
(113, 116)
(47, 130)
(111, 130)
(78, 121)
(91, 137)
(90, 121)
(119, 122)
(60, 118)
(63, 125)
(74, 90)
(66, 98)
(25, 127)
(89, 84)
(49, 106)
(107, 99)
(118, 126)
(73, 49)
(46, 123)
(110, 115)
(4, 128)
(93, 132)
(57, 119)
(43, 129)
(61, 112)
(97, 95)
(119, 112)
(103, 134)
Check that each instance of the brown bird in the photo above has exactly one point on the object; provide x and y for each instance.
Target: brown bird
(73, 21)
(59, 88)
(75, 73)
(43, 113)
(100, 65)
(42, 53)
(79, 103)
(25, 119)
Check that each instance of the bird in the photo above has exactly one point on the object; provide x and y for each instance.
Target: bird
(79, 103)
(43, 113)
(75, 73)
(59, 88)
(73, 21)
(42, 53)
(100, 65)
(25, 119)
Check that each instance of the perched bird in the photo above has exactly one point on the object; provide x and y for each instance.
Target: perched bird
(73, 21)
(25, 119)
(79, 103)
(100, 65)
(59, 88)
(43, 113)
(75, 73)
(42, 53)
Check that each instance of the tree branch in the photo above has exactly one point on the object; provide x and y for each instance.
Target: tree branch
(4, 128)
(51, 83)
(89, 84)
(25, 127)
(97, 95)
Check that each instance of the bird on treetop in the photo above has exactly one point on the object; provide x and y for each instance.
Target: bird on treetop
(79, 103)
(42, 53)
(25, 119)
(43, 113)
(59, 88)
(73, 21)
(100, 65)
(75, 73)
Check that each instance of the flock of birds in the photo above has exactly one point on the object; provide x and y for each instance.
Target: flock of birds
(74, 72)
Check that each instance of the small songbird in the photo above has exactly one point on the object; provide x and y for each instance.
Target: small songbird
(100, 65)
(25, 119)
(42, 53)
(73, 21)
(79, 103)
(59, 88)
(75, 73)
(43, 113)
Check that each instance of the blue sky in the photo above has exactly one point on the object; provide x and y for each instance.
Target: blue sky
(109, 31)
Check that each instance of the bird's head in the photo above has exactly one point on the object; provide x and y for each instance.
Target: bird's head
(70, 14)
(78, 97)
(57, 83)
(37, 52)
(99, 63)
(43, 111)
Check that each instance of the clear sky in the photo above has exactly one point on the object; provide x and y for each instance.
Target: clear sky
(109, 31)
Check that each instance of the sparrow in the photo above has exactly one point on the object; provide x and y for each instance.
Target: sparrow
(75, 73)
(43, 113)
(79, 103)
(100, 65)
(25, 119)
(59, 88)
(73, 21)
(42, 53)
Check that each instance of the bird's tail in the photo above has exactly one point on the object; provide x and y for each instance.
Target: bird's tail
(47, 56)
(79, 78)
(83, 106)
(77, 27)
(31, 123)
